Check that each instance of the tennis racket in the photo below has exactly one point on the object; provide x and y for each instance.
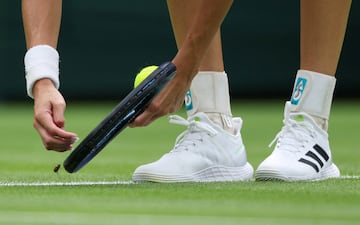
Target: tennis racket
(120, 117)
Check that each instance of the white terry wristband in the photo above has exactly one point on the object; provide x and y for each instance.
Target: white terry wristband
(41, 61)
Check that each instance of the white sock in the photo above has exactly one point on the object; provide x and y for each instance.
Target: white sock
(209, 93)
(312, 94)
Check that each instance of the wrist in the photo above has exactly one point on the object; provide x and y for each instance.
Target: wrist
(186, 66)
(42, 86)
(41, 61)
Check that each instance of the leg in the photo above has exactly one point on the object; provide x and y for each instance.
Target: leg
(211, 148)
(181, 18)
(323, 25)
(213, 101)
(302, 151)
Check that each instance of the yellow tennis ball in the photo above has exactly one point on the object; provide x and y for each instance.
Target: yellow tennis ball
(143, 74)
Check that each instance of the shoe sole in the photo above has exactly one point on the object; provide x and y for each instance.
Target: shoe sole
(273, 175)
(211, 174)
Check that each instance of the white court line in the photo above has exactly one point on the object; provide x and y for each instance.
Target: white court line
(349, 177)
(94, 183)
(84, 183)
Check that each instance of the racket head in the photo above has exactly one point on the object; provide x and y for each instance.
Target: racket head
(120, 117)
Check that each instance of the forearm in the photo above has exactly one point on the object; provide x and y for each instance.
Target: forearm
(41, 21)
(208, 19)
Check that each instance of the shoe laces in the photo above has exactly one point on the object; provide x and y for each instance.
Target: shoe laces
(194, 134)
(294, 135)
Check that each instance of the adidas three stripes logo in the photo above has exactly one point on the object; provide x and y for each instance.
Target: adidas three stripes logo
(320, 158)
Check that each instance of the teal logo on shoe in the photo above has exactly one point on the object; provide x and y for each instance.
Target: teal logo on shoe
(298, 90)
(188, 101)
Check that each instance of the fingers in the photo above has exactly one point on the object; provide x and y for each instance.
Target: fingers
(157, 108)
(148, 116)
(145, 118)
(53, 137)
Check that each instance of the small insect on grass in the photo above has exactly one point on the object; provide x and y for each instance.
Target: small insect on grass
(56, 168)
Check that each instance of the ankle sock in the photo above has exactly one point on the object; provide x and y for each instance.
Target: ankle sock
(209, 93)
(313, 94)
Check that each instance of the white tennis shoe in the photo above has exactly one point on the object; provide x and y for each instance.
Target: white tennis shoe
(302, 152)
(202, 153)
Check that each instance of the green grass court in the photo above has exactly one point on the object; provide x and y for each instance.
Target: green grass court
(52, 200)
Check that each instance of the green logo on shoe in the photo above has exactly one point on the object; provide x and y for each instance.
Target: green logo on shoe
(299, 118)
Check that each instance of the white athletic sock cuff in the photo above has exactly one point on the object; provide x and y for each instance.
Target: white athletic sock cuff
(41, 61)
(313, 93)
(209, 93)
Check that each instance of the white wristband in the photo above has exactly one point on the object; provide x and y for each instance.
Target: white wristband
(41, 61)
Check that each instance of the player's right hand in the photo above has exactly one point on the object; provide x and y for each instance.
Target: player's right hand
(49, 121)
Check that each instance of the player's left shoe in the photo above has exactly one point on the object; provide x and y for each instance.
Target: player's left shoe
(302, 152)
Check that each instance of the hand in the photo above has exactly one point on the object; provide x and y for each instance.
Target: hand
(171, 98)
(49, 121)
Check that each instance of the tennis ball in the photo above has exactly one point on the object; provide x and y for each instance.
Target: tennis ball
(143, 74)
